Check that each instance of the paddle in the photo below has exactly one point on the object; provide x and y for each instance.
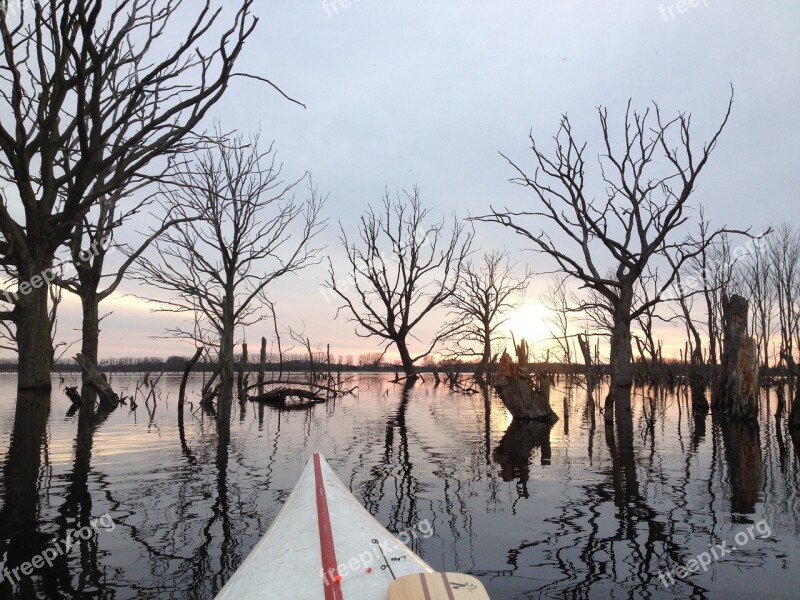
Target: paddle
(437, 586)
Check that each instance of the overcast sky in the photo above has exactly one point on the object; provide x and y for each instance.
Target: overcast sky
(427, 93)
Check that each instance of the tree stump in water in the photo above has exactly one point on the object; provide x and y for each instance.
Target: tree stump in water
(523, 397)
(737, 392)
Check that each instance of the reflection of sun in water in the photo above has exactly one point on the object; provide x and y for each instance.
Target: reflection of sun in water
(529, 321)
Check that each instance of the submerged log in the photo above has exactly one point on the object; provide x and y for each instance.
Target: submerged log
(524, 398)
(108, 397)
(737, 392)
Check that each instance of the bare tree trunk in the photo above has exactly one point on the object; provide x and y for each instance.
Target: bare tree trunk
(262, 364)
(188, 369)
(737, 392)
(226, 366)
(33, 340)
(241, 384)
(90, 331)
(794, 414)
(405, 359)
(620, 359)
(587, 359)
(480, 371)
(697, 379)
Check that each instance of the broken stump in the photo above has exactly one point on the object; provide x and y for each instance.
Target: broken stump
(525, 397)
(737, 392)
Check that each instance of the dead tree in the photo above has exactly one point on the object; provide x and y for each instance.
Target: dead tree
(737, 392)
(527, 397)
(712, 274)
(784, 252)
(583, 342)
(648, 184)
(186, 371)
(262, 363)
(479, 306)
(91, 243)
(758, 278)
(698, 379)
(389, 291)
(93, 97)
(556, 298)
(246, 231)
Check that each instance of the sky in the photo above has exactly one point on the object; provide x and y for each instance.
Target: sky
(409, 93)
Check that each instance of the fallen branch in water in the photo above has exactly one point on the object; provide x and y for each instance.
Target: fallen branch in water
(279, 396)
(108, 396)
(335, 390)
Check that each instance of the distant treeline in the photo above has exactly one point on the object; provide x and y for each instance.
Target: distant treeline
(176, 364)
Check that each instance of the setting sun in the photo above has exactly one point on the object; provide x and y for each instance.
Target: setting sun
(530, 321)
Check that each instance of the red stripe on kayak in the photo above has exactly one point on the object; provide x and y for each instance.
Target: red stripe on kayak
(333, 590)
(447, 587)
(424, 583)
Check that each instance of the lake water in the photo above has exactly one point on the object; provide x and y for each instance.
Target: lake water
(569, 512)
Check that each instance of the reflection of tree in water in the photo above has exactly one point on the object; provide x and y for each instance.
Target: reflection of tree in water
(513, 453)
(742, 444)
(394, 494)
(76, 511)
(396, 465)
(581, 558)
(211, 521)
(20, 536)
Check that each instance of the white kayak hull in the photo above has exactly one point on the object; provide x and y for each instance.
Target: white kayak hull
(294, 561)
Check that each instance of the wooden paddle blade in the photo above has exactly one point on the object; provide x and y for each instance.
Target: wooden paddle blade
(437, 586)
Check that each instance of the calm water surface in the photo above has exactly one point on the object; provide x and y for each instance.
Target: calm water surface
(534, 512)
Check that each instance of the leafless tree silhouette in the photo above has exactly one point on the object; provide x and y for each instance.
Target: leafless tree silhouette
(480, 304)
(388, 294)
(648, 183)
(93, 97)
(243, 230)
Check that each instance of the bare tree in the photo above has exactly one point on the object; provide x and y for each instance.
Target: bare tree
(8, 331)
(649, 348)
(480, 304)
(88, 250)
(242, 230)
(92, 97)
(784, 252)
(388, 294)
(648, 184)
(556, 298)
(716, 266)
(698, 379)
(758, 278)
